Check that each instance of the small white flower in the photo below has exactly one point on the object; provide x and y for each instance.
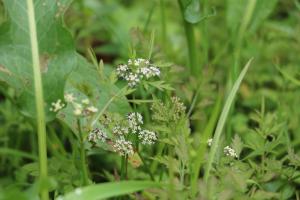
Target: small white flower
(209, 142)
(122, 70)
(77, 109)
(78, 191)
(123, 147)
(147, 137)
(135, 117)
(132, 79)
(92, 109)
(154, 71)
(85, 101)
(56, 106)
(137, 62)
(97, 134)
(228, 151)
(134, 121)
(69, 97)
(118, 130)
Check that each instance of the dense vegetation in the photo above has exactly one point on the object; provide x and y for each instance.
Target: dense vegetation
(161, 99)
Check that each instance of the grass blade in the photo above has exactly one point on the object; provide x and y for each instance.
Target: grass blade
(108, 190)
(222, 120)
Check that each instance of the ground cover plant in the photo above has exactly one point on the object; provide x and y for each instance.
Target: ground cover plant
(163, 99)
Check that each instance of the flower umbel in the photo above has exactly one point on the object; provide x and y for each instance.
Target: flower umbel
(228, 151)
(123, 147)
(57, 106)
(81, 107)
(147, 137)
(136, 70)
(135, 120)
(69, 97)
(97, 134)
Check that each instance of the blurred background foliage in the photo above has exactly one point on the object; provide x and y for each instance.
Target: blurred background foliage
(111, 27)
(271, 38)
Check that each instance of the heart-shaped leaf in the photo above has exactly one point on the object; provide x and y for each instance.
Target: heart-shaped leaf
(192, 12)
(57, 52)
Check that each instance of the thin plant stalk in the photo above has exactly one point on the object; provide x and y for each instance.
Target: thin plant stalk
(39, 100)
(124, 167)
(83, 163)
(146, 166)
(191, 44)
(222, 120)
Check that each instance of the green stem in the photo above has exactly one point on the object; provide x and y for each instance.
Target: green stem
(159, 152)
(39, 100)
(146, 167)
(124, 163)
(163, 24)
(85, 176)
(195, 68)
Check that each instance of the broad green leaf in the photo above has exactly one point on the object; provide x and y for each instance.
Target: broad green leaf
(107, 190)
(57, 53)
(85, 82)
(222, 119)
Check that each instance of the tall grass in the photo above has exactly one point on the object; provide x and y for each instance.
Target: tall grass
(222, 120)
(39, 101)
(237, 51)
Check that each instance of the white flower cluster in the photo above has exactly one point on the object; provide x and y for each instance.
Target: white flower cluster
(123, 147)
(57, 106)
(80, 108)
(135, 120)
(97, 134)
(147, 137)
(135, 70)
(134, 123)
(228, 151)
